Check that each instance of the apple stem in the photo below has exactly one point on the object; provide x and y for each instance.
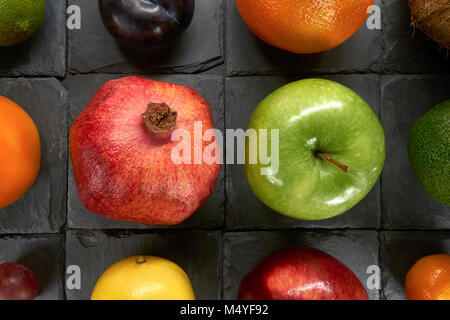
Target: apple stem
(159, 118)
(335, 162)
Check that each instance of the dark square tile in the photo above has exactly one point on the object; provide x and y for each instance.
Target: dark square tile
(246, 54)
(211, 214)
(43, 208)
(405, 204)
(44, 255)
(199, 254)
(42, 54)
(408, 50)
(243, 250)
(93, 49)
(244, 210)
(400, 250)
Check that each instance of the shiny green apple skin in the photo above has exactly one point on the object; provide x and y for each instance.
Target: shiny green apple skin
(316, 115)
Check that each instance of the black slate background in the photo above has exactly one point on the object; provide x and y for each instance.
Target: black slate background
(55, 73)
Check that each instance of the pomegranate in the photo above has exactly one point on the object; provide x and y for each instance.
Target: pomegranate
(121, 150)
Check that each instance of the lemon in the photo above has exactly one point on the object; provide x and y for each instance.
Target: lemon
(143, 278)
(19, 20)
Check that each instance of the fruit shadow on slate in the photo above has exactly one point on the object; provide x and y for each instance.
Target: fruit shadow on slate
(198, 48)
(43, 208)
(198, 253)
(356, 249)
(210, 215)
(246, 54)
(405, 204)
(44, 255)
(400, 250)
(408, 50)
(45, 52)
(244, 210)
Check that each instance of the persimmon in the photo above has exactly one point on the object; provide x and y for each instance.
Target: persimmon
(20, 152)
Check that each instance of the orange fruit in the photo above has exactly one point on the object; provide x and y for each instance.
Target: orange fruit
(304, 26)
(429, 279)
(143, 278)
(20, 152)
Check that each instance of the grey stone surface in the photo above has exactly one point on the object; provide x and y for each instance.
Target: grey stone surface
(400, 250)
(405, 204)
(243, 250)
(45, 52)
(93, 49)
(198, 253)
(244, 210)
(44, 255)
(211, 214)
(408, 50)
(246, 54)
(43, 208)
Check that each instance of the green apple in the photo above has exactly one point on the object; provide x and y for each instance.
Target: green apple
(331, 149)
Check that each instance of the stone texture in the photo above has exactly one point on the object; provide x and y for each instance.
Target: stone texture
(400, 250)
(43, 208)
(243, 250)
(199, 254)
(93, 49)
(41, 254)
(244, 210)
(246, 54)
(408, 50)
(210, 215)
(45, 52)
(405, 204)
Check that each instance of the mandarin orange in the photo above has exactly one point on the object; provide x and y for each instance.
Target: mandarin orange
(20, 152)
(304, 26)
(429, 279)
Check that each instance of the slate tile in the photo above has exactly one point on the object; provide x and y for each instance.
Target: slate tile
(93, 49)
(243, 209)
(400, 250)
(246, 54)
(43, 208)
(199, 254)
(405, 204)
(217, 70)
(408, 50)
(210, 215)
(243, 250)
(45, 52)
(44, 255)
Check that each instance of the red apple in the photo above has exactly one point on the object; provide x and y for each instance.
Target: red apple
(300, 273)
(121, 150)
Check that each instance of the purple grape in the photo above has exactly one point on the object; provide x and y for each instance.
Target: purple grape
(17, 282)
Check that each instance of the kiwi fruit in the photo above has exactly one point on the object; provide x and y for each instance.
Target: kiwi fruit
(432, 17)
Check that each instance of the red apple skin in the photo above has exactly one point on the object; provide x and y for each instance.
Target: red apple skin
(301, 273)
(122, 170)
